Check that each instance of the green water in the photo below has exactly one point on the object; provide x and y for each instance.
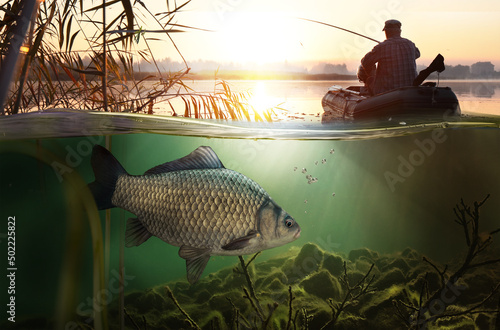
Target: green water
(385, 189)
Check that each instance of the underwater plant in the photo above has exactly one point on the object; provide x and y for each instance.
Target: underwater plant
(436, 304)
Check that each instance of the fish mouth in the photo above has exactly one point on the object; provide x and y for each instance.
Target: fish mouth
(297, 234)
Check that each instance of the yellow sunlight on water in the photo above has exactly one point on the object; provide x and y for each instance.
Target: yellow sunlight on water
(261, 100)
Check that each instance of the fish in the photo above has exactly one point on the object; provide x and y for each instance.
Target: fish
(194, 203)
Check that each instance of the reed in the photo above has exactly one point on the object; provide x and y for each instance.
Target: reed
(54, 74)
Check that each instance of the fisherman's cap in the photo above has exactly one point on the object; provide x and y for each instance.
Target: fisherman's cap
(391, 24)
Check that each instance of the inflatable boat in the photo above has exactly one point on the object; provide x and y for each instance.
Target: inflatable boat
(350, 103)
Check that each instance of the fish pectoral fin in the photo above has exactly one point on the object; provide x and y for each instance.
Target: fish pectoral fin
(136, 233)
(241, 242)
(196, 261)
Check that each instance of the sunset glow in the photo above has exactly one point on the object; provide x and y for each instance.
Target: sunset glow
(267, 32)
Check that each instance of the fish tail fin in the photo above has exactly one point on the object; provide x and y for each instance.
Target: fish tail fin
(107, 170)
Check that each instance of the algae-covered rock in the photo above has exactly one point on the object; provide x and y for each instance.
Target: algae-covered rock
(412, 257)
(484, 321)
(476, 287)
(180, 286)
(334, 264)
(144, 302)
(363, 252)
(354, 276)
(363, 265)
(397, 263)
(319, 318)
(237, 280)
(174, 321)
(268, 277)
(348, 322)
(462, 322)
(381, 302)
(268, 265)
(203, 296)
(213, 285)
(276, 276)
(309, 258)
(220, 301)
(322, 285)
(388, 279)
(276, 285)
(433, 282)
(133, 297)
(419, 270)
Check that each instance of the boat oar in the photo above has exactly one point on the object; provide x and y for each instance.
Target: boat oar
(436, 65)
(340, 28)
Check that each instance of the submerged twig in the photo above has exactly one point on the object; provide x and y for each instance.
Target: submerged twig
(236, 314)
(272, 308)
(477, 242)
(290, 307)
(252, 297)
(352, 295)
(131, 319)
(254, 305)
(471, 310)
(306, 318)
(497, 322)
(176, 303)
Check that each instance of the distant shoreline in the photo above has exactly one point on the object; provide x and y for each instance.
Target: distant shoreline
(261, 75)
(264, 75)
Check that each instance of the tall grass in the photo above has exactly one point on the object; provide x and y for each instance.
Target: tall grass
(52, 73)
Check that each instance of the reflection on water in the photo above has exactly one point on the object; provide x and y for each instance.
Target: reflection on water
(302, 99)
(481, 89)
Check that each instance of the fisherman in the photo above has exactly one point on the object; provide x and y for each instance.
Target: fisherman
(396, 62)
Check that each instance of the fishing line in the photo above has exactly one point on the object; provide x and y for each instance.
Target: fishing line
(340, 28)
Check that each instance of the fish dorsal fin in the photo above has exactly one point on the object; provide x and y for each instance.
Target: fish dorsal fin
(196, 261)
(136, 233)
(201, 158)
(241, 242)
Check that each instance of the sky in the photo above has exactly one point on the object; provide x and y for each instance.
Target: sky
(259, 31)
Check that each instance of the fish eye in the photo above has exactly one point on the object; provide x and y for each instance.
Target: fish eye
(289, 222)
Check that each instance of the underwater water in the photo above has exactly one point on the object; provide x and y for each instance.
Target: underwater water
(381, 246)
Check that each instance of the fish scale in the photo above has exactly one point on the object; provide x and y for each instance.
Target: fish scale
(187, 218)
(195, 203)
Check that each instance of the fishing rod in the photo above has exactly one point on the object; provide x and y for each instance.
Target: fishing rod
(340, 28)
